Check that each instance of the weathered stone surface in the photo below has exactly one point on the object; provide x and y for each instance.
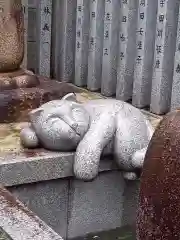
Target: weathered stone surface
(75, 207)
(165, 44)
(91, 129)
(95, 45)
(131, 194)
(82, 37)
(47, 199)
(16, 103)
(96, 205)
(110, 46)
(12, 35)
(159, 202)
(145, 41)
(18, 79)
(44, 16)
(40, 165)
(25, 10)
(63, 39)
(175, 96)
(32, 58)
(20, 223)
(127, 49)
(20, 90)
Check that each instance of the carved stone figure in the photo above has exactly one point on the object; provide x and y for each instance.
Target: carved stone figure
(94, 128)
(159, 199)
(12, 47)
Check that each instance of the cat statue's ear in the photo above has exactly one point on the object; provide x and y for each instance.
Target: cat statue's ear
(36, 111)
(35, 114)
(70, 97)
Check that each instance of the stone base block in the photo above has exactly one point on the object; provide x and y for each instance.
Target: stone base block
(16, 103)
(49, 200)
(74, 208)
(96, 206)
(18, 79)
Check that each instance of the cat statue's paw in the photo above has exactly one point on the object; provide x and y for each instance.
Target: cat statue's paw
(138, 158)
(130, 176)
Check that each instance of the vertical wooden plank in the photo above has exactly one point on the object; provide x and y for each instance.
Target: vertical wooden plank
(166, 27)
(95, 44)
(110, 47)
(145, 41)
(44, 8)
(127, 49)
(82, 37)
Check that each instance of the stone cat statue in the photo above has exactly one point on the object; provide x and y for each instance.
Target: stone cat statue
(104, 126)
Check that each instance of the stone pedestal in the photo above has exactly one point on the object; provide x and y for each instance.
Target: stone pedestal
(16, 103)
(44, 182)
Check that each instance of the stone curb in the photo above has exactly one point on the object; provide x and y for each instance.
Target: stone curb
(34, 169)
(20, 223)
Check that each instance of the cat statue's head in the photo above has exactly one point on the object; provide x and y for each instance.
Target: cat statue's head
(60, 124)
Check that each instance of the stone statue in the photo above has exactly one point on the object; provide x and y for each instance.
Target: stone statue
(12, 47)
(97, 127)
(20, 89)
(159, 199)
